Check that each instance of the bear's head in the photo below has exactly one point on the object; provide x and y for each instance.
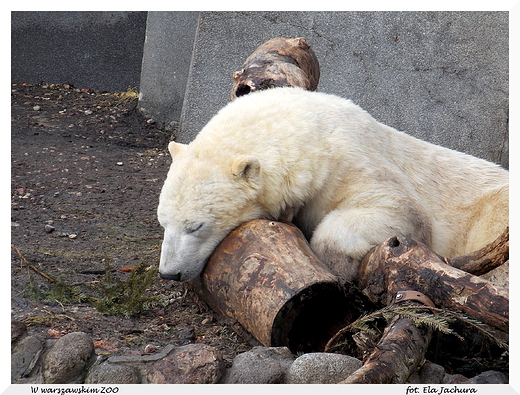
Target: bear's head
(205, 196)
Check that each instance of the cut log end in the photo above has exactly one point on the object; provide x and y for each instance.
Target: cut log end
(278, 62)
(486, 259)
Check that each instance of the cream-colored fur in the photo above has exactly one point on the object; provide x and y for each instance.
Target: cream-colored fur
(349, 181)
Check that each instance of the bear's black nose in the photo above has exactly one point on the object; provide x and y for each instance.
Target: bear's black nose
(174, 277)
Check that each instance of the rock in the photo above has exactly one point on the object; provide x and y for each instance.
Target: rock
(187, 335)
(18, 329)
(114, 374)
(431, 373)
(142, 358)
(489, 377)
(414, 378)
(150, 348)
(24, 357)
(322, 368)
(68, 358)
(189, 364)
(260, 365)
(454, 379)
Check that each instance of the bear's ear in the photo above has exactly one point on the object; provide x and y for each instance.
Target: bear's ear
(175, 148)
(246, 167)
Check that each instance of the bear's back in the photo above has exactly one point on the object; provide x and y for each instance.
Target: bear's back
(283, 118)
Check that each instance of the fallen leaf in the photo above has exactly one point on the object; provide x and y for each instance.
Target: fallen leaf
(54, 333)
(104, 345)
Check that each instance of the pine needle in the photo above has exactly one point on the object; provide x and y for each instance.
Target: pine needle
(434, 318)
(110, 296)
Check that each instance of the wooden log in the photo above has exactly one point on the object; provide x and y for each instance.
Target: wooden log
(278, 62)
(486, 259)
(265, 276)
(401, 263)
(388, 274)
(396, 356)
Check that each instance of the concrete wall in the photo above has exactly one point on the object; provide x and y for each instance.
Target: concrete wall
(97, 50)
(441, 76)
(166, 66)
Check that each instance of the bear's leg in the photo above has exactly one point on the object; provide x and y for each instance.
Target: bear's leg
(343, 237)
(488, 218)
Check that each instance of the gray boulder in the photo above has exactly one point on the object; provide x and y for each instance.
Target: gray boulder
(322, 368)
(260, 365)
(113, 373)
(431, 373)
(68, 359)
(190, 364)
(489, 377)
(24, 357)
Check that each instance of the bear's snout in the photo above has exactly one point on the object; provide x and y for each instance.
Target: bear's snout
(174, 277)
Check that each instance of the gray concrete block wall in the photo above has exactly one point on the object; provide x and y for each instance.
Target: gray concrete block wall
(166, 66)
(440, 76)
(98, 50)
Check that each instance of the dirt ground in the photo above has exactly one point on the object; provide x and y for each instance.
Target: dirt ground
(86, 172)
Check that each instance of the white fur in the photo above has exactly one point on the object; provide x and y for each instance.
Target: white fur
(351, 181)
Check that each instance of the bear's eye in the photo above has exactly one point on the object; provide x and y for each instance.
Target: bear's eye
(194, 228)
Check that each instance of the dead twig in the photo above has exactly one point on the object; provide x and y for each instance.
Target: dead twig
(32, 267)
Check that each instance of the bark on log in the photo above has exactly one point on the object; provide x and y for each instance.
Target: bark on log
(396, 356)
(278, 62)
(265, 276)
(401, 263)
(486, 259)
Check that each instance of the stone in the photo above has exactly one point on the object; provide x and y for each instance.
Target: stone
(431, 373)
(186, 335)
(454, 379)
(260, 365)
(24, 357)
(67, 360)
(414, 378)
(18, 329)
(142, 358)
(489, 377)
(322, 368)
(107, 372)
(49, 228)
(189, 364)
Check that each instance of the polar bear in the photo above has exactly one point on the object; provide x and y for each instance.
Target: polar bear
(347, 181)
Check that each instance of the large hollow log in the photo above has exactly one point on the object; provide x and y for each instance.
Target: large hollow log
(276, 63)
(265, 276)
(401, 263)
